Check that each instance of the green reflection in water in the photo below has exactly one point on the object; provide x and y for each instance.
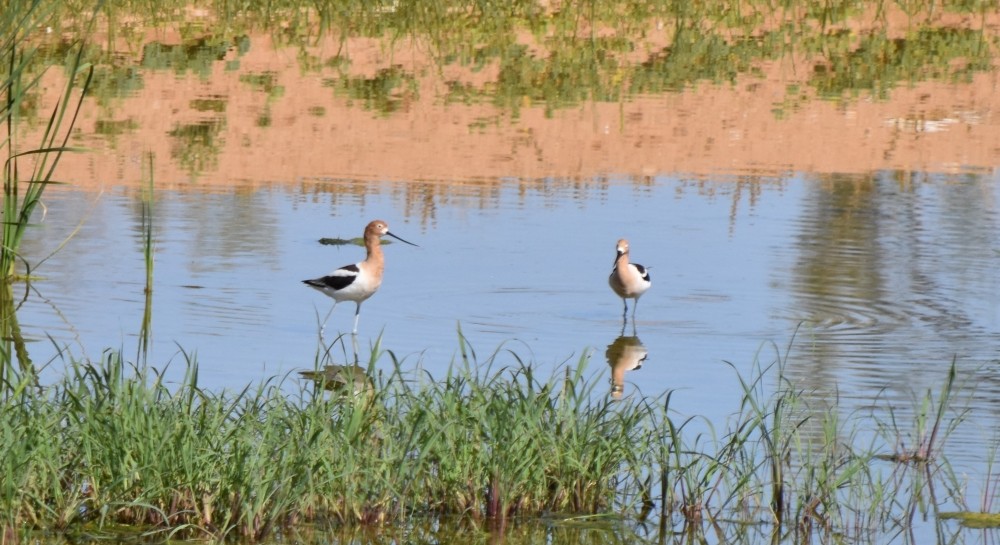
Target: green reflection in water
(197, 145)
(385, 93)
(560, 57)
(695, 57)
(265, 82)
(195, 56)
(114, 80)
(556, 531)
(879, 63)
(109, 127)
(522, 54)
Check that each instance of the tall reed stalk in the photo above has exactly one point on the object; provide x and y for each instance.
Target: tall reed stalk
(148, 252)
(27, 172)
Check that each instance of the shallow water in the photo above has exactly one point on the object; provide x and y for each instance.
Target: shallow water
(868, 289)
(876, 287)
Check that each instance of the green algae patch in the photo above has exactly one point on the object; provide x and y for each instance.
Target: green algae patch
(974, 520)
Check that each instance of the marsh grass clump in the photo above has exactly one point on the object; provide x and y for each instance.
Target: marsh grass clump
(114, 443)
(117, 443)
(500, 442)
(777, 461)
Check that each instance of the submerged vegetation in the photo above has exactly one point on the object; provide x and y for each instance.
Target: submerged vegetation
(114, 443)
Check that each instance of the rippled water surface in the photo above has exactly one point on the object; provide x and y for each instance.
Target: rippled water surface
(874, 285)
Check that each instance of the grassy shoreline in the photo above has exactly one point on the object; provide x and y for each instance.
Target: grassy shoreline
(112, 444)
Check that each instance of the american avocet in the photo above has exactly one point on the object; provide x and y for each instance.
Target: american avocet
(629, 280)
(359, 281)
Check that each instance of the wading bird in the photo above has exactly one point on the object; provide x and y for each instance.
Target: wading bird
(359, 281)
(628, 280)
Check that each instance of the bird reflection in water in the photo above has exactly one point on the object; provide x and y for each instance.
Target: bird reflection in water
(351, 379)
(626, 353)
(346, 379)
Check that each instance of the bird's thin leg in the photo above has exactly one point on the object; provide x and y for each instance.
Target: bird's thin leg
(635, 305)
(625, 311)
(354, 346)
(357, 315)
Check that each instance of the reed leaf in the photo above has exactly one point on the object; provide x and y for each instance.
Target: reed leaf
(20, 201)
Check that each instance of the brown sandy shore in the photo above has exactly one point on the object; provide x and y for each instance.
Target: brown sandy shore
(706, 131)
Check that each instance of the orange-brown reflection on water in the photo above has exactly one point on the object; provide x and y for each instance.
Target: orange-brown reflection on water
(259, 117)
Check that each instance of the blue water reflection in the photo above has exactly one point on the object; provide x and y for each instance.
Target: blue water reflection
(882, 281)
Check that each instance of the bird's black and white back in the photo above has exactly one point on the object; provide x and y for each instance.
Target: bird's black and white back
(335, 282)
